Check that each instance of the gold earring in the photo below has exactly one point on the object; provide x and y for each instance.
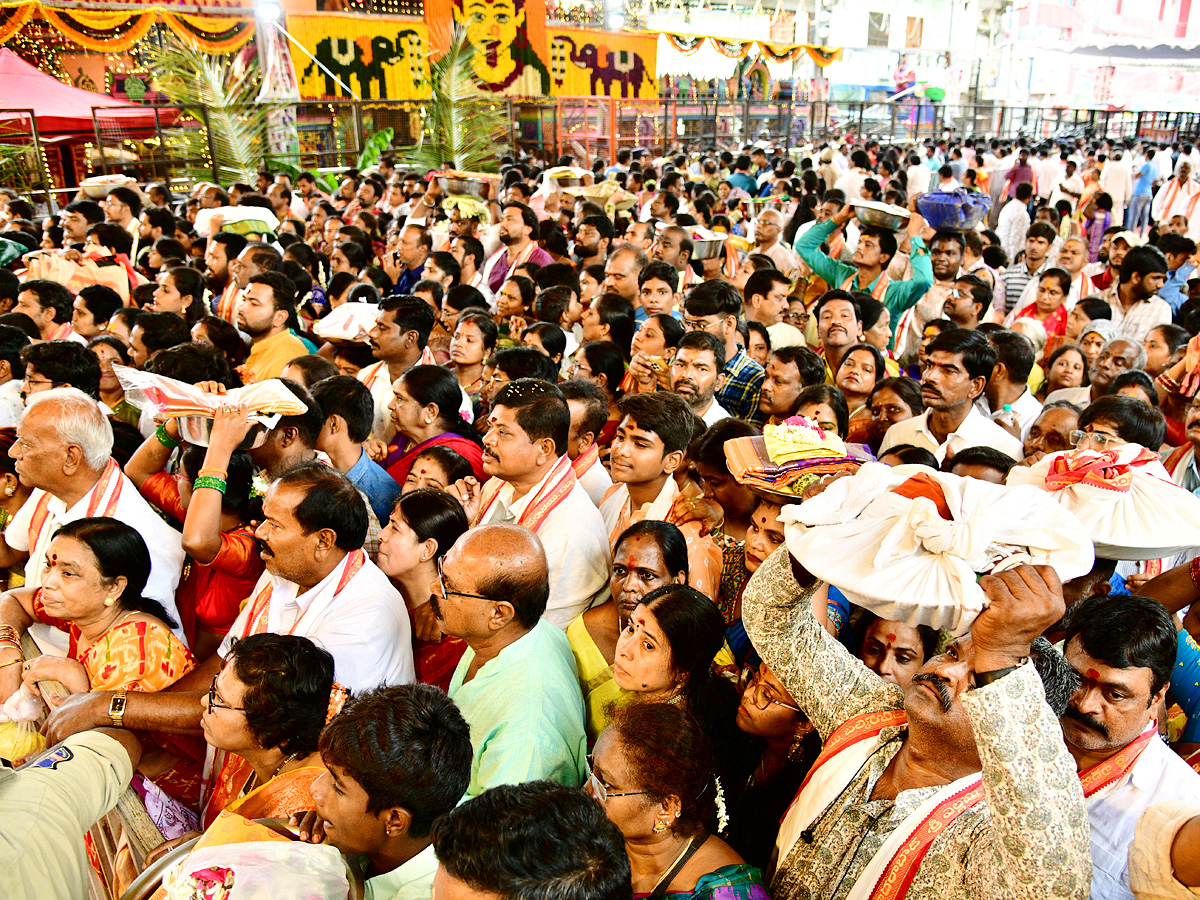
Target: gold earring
(8, 491)
(110, 601)
(659, 827)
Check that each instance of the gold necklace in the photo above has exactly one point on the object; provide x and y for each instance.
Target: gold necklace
(253, 782)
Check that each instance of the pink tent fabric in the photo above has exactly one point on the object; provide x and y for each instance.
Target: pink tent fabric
(62, 109)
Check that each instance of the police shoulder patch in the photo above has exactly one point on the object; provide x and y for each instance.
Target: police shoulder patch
(54, 757)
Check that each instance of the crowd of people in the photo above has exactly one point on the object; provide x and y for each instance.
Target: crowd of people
(494, 617)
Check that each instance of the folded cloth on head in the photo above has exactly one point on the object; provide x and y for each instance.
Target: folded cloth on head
(608, 194)
(348, 322)
(170, 398)
(788, 457)
(469, 207)
(1123, 496)
(908, 543)
(242, 220)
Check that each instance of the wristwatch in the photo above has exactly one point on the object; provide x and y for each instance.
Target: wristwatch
(116, 709)
(983, 679)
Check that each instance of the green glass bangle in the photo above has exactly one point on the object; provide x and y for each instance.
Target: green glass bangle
(165, 438)
(207, 481)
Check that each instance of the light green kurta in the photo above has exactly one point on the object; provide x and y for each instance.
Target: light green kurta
(525, 711)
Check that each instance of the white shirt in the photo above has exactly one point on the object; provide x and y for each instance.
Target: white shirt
(1080, 396)
(1141, 318)
(1158, 776)
(365, 626)
(1027, 409)
(1073, 183)
(596, 481)
(164, 542)
(379, 380)
(1011, 228)
(11, 403)
(576, 544)
(714, 414)
(412, 880)
(976, 430)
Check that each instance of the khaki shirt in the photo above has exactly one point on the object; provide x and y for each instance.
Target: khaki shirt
(45, 809)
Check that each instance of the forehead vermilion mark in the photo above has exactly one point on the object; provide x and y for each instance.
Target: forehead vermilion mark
(1093, 674)
(891, 637)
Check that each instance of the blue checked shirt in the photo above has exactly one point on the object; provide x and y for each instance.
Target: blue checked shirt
(743, 385)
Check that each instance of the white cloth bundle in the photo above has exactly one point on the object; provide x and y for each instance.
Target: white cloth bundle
(1123, 496)
(259, 870)
(348, 322)
(898, 556)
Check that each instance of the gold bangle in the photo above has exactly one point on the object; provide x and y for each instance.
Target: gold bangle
(12, 662)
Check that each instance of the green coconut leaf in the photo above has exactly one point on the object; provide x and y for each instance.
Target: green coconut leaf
(461, 129)
(209, 87)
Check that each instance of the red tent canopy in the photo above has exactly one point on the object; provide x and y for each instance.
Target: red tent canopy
(61, 109)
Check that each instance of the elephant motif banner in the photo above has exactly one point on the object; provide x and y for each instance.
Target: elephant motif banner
(603, 64)
(377, 57)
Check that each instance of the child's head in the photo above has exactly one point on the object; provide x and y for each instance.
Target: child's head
(652, 437)
(436, 467)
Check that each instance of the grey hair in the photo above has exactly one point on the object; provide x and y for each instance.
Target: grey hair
(79, 422)
(1139, 358)
(1058, 678)
(1106, 328)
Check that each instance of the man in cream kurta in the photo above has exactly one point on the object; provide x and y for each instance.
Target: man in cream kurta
(1026, 839)
(573, 536)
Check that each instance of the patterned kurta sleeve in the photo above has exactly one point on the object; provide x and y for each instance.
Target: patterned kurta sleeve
(1036, 845)
(827, 682)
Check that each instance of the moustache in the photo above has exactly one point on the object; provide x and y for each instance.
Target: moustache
(686, 384)
(939, 685)
(927, 388)
(1083, 719)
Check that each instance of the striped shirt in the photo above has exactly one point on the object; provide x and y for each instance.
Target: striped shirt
(1014, 280)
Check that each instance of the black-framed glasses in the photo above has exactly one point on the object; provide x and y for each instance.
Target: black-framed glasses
(752, 687)
(446, 592)
(215, 702)
(600, 789)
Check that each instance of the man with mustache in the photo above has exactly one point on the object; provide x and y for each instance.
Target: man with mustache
(397, 340)
(1117, 356)
(839, 327)
(696, 374)
(516, 684)
(1123, 650)
(533, 484)
(318, 583)
(970, 744)
(868, 270)
(959, 365)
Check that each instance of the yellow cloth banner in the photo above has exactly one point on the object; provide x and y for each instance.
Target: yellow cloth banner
(377, 57)
(602, 64)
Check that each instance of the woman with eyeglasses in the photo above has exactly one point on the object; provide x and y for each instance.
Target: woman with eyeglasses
(783, 748)
(119, 640)
(423, 526)
(653, 772)
(647, 556)
(267, 706)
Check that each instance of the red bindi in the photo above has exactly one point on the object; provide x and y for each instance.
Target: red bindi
(891, 638)
(1093, 674)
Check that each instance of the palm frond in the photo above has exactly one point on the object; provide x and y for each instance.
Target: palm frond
(225, 96)
(461, 127)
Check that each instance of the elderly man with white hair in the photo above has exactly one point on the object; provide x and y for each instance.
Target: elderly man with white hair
(64, 451)
(767, 230)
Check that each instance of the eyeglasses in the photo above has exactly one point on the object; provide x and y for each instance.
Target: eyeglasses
(35, 381)
(214, 702)
(600, 788)
(796, 317)
(752, 687)
(1101, 441)
(446, 592)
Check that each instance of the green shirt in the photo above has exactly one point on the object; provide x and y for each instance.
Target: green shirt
(899, 296)
(525, 711)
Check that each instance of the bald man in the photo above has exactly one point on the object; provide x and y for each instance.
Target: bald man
(516, 684)
(767, 230)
